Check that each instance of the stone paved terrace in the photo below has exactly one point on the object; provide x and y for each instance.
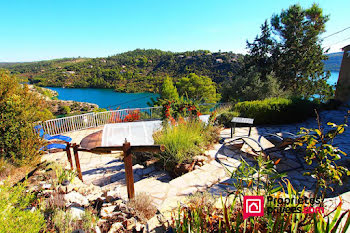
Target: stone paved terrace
(107, 171)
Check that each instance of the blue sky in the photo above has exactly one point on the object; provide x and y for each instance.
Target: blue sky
(38, 30)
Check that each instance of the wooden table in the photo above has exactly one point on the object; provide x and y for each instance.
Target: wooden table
(93, 140)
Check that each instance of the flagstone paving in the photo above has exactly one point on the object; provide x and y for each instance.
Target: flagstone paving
(107, 171)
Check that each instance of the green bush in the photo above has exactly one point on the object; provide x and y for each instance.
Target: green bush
(15, 217)
(252, 86)
(64, 110)
(184, 140)
(276, 110)
(226, 117)
(19, 110)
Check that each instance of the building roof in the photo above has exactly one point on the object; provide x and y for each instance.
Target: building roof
(346, 47)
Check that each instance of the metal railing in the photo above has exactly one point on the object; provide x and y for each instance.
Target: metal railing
(91, 120)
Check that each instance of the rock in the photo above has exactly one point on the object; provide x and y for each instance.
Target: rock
(113, 194)
(154, 224)
(107, 211)
(130, 223)
(46, 186)
(79, 231)
(93, 196)
(34, 188)
(97, 229)
(116, 227)
(75, 197)
(65, 182)
(200, 158)
(77, 212)
(139, 226)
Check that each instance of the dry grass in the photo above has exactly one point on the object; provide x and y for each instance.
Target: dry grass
(201, 199)
(8, 170)
(143, 207)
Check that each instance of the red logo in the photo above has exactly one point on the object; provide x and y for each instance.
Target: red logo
(253, 206)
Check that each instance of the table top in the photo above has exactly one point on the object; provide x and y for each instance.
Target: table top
(92, 140)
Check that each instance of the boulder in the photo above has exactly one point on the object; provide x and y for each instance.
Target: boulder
(116, 227)
(77, 212)
(76, 198)
(107, 211)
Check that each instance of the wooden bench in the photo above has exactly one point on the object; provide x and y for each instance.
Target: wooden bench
(241, 120)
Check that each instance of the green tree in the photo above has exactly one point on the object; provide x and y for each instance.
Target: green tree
(19, 110)
(252, 86)
(291, 48)
(299, 54)
(260, 53)
(168, 90)
(198, 88)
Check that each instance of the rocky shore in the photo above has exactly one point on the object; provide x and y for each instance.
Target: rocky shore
(62, 107)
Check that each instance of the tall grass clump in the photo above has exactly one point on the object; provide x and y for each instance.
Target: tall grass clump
(183, 140)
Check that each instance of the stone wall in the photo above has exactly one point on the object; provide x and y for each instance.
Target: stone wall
(342, 92)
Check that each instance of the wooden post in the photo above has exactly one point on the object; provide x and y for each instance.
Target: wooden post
(128, 169)
(69, 155)
(77, 162)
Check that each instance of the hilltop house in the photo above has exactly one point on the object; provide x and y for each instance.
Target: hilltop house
(219, 60)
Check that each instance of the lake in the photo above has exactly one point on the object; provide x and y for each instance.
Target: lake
(333, 79)
(108, 98)
(105, 98)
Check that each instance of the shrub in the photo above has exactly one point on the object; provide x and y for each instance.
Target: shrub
(252, 86)
(321, 151)
(226, 117)
(14, 213)
(183, 140)
(142, 205)
(197, 217)
(19, 110)
(65, 222)
(276, 110)
(64, 110)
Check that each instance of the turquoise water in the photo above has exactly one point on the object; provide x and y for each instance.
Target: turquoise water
(333, 79)
(108, 98)
(105, 98)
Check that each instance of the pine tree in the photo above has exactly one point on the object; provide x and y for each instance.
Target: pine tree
(291, 49)
(298, 55)
(168, 90)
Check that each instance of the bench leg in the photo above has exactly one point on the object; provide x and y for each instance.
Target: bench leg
(77, 162)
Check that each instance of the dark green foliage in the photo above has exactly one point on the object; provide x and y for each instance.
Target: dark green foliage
(321, 151)
(135, 71)
(200, 89)
(253, 85)
(19, 110)
(276, 110)
(226, 117)
(168, 90)
(291, 48)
